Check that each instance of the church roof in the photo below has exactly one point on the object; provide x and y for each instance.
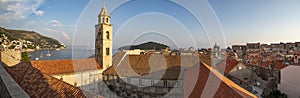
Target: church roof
(38, 84)
(66, 66)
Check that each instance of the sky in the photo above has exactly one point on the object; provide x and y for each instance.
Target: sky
(175, 23)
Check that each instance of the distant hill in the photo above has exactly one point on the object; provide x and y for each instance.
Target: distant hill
(145, 46)
(30, 39)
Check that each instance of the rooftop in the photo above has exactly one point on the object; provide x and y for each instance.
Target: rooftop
(210, 83)
(65, 66)
(144, 64)
(38, 84)
(277, 65)
(136, 65)
(228, 65)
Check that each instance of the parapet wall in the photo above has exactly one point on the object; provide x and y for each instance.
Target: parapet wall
(11, 58)
(8, 86)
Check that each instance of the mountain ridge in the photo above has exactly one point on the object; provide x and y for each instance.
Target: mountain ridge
(29, 39)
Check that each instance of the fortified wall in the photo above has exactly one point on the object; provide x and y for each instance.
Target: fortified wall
(11, 57)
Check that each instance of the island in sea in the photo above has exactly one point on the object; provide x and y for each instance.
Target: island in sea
(26, 40)
(145, 46)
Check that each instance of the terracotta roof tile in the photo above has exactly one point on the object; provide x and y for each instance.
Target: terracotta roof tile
(277, 65)
(228, 65)
(225, 89)
(65, 66)
(140, 64)
(38, 84)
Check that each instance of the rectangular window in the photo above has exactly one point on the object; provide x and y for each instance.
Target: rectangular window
(152, 82)
(165, 83)
(107, 51)
(107, 34)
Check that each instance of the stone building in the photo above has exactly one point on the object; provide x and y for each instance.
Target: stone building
(158, 75)
(253, 47)
(31, 82)
(103, 42)
(237, 72)
(239, 48)
(298, 46)
(266, 75)
(77, 72)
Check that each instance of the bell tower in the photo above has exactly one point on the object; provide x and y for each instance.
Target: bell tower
(103, 40)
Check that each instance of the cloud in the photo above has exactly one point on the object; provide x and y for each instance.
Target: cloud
(19, 9)
(38, 13)
(48, 30)
(30, 22)
(66, 36)
(55, 23)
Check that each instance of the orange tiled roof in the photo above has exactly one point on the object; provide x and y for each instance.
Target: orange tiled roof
(228, 65)
(65, 66)
(39, 85)
(225, 88)
(277, 65)
(140, 64)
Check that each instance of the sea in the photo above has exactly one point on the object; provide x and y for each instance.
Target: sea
(75, 52)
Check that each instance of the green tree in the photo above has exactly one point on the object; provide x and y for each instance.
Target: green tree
(25, 57)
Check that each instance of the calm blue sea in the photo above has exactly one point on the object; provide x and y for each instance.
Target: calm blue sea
(70, 53)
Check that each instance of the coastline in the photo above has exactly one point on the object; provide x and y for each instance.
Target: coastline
(32, 50)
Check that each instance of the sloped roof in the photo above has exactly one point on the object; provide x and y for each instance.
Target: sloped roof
(65, 66)
(129, 65)
(228, 65)
(277, 65)
(104, 12)
(210, 81)
(38, 84)
(140, 65)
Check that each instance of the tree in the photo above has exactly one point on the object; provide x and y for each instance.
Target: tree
(25, 57)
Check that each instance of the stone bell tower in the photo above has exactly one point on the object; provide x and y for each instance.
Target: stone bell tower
(103, 40)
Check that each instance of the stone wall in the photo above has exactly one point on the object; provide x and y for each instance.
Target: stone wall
(80, 78)
(11, 58)
(3, 90)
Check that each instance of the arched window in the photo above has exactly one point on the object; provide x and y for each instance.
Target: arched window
(107, 20)
(107, 51)
(107, 34)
